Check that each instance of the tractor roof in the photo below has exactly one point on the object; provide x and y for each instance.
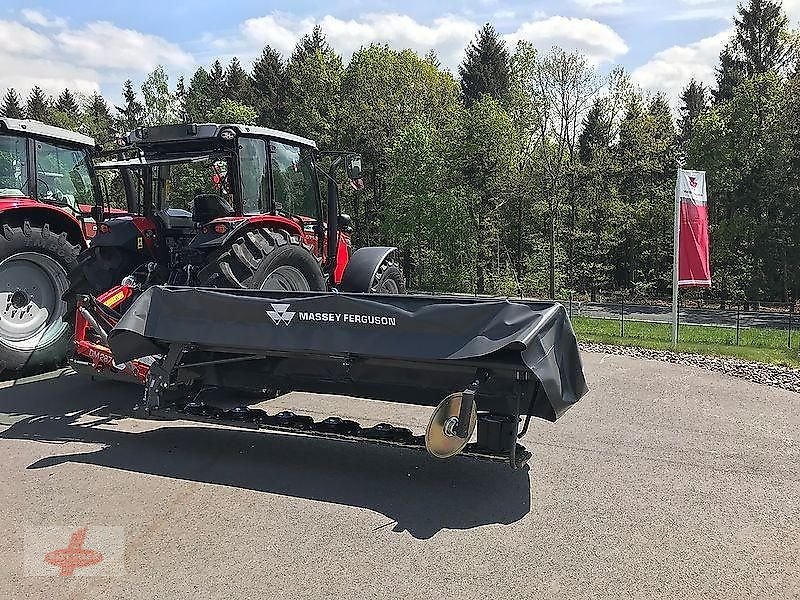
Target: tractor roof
(196, 131)
(39, 129)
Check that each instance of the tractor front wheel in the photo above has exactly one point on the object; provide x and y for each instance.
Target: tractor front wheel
(389, 278)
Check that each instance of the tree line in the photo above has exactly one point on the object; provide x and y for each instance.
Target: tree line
(527, 172)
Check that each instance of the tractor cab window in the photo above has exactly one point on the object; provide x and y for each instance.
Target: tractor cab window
(254, 176)
(62, 176)
(292, 177)
(13, 166)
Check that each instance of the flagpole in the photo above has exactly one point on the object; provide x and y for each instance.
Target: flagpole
(675, 244)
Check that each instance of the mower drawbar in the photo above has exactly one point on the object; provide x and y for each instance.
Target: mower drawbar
(485, 364)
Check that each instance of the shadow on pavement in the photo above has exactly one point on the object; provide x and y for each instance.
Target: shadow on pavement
(419, 494)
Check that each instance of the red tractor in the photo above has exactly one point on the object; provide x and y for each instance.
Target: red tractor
(226, 206)
(47, 189)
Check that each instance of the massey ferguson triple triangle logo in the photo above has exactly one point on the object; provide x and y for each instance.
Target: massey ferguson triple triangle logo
(280, 314)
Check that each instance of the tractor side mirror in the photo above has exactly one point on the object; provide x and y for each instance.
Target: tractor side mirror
(97, 214)
(353, 166)
(345, 223)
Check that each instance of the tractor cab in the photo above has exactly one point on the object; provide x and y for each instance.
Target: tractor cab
(45, 165)
(195, 187)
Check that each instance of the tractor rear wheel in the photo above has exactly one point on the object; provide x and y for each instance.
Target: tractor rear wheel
(34, 267)
(265, 259)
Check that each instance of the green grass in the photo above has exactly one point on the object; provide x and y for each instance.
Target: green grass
(758, 344)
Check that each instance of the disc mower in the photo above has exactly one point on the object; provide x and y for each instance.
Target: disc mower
(255, 292)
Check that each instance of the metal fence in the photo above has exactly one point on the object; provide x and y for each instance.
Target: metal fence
(773, 325)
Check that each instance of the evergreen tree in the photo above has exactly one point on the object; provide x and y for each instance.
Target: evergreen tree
(433, 59)
(196, 105)
(267, 83)
(485, 69)
(12, 105)
(38, 106)
(97, 118)
(694, 102)
(67, 104)
(313, 86)
(237, 83)
(131, 113)
(761, 36)
(596, 131)
(729, 74)
(180, 100)
(215, 91)
(310, 44)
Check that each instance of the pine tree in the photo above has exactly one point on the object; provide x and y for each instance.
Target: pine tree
(180, 100)
(267, 83)
(215, 91)
(486, 68)
(729, 74)
(12, 105)
(97, 118)
(67, 104)
(694, 102)
(761, 36)
(131, 113)
(433, 59)
(197, 104)
(38, 106)
(313, 86)
(237, 83)
(311, 43)
(596, 131)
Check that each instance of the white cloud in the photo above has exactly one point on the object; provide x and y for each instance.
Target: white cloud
(22, 73)
(16, 38)
(595, 4)
(29, 58)
(36, 18)
(53, 56)
(448, 35)
(671, 69)
(104, 45)
(599, 42)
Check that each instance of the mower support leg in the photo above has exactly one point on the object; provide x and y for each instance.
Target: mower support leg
(159, 379)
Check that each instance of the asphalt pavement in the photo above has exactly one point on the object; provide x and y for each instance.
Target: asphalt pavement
(664, 482)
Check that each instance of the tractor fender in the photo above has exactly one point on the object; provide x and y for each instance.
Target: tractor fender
(236, 225)
(37, 214)
(362, 267)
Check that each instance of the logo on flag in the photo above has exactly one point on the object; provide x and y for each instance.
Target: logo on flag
(693, 181)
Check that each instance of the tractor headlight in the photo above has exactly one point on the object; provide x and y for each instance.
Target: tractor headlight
(227, 134)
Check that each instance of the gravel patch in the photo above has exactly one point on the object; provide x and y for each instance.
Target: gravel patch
(785, 378)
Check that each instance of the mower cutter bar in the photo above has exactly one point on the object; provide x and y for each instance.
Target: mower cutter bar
(332, 428)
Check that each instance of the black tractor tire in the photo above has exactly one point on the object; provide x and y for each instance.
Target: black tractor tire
(35, 263)
(265, 259)
(389, 278)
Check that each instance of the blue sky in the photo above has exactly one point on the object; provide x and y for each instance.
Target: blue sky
(90, 44)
